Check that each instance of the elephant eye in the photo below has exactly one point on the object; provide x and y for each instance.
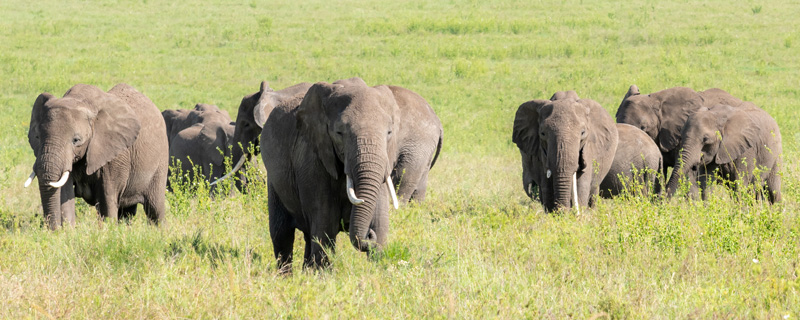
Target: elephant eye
(76, 140)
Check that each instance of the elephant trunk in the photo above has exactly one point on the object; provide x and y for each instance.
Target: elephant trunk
(563, 162)
(368, 175)
(562, 185)
(51, 204)
(685, 163)
(52, 169)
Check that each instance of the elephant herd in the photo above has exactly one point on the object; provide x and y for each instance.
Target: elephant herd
(572, 150)
(339, 154)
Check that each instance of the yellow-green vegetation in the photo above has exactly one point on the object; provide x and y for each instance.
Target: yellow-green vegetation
(478, 248)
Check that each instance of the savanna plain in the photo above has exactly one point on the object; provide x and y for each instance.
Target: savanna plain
(478, 247)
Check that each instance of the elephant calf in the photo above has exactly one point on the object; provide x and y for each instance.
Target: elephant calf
(737, 141)
(637, 163)
(567, 146)
(200, 137)
(109, 148)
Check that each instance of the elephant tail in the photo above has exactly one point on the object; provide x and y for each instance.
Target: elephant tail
(438, 148)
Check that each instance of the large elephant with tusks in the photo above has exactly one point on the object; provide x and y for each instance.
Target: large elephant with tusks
(331, 163)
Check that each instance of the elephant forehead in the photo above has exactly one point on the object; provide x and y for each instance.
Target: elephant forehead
(65, 114)
(564, 115)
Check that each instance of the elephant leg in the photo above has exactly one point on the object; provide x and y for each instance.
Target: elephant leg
(422, 186)
(584, 184)
(155, 207)
(322, 236)
(704, 181)
(408, 176)
(127, 213)
(281, 230)
(108, 208)
(318, 245)
(774, 185)
(68, 203)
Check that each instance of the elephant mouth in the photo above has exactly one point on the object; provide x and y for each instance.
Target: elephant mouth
(56, 184)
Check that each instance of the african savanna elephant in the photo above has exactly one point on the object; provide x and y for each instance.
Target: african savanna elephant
(567, 146)
(331, 160)
(637, 162)
(200, 137)
(663, 114)
(108, 148)
(253, 113)
(737, 141)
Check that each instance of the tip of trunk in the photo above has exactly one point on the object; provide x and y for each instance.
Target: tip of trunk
(365, 244)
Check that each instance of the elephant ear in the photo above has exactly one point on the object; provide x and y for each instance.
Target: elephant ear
(36, 115)
(602, 133)
(264, 105)
(632, 91)
(564, 95)
(675, 108)
(215, 140)
(116, 128)
(739, 133)
(312, 123)
(526, 126)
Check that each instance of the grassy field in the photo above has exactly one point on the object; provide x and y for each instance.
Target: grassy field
(478, 248)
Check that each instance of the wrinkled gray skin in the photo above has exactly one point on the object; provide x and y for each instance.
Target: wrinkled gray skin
(734, 140)
(200, 137)
(344, 129)
(253, 113)
(663, 114)
(637, 162)
(566, 135)
(113, 145)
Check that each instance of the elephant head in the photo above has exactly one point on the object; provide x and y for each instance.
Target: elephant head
(551, 135)
(661, 114)
(253, 112)
(713, 137)
(350, 128)
(84, 130)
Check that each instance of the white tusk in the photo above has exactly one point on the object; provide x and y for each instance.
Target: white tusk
(60, 183)
(235, 168)
(391, 191)
(351, 194)
(30, 179)
(575, 191)
(548, 174)
(530, 188)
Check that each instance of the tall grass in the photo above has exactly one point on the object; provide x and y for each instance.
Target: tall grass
(478, 248)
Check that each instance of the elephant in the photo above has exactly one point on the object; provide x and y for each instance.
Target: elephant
(637, 161)
(200, 137)
(109, 148)
(737, 141)
(331, 157)
(567, 146)
(253, 113)
(663, 114)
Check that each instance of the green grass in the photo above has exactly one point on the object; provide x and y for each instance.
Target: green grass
(478, 248)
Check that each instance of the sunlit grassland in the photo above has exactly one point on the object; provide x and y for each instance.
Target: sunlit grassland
(478, 247)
